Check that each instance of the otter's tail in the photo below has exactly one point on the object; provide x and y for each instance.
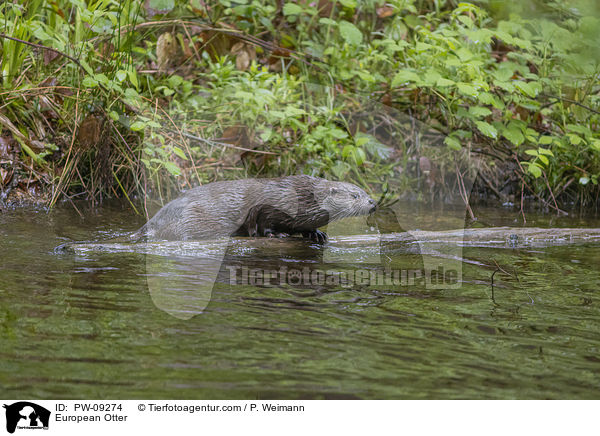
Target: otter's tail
(137, 236)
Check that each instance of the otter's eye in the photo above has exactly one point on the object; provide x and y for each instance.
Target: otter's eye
(354, 195)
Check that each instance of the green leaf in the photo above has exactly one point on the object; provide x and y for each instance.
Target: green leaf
(351, 4)
(179, 152)
(463, 134)
(442, 82)
(545, 151)
(535, 170)
(328, 22)
(478, 111)
(575, 139)
(487, 129)
(530, 89)
(452, 62)
(350, 33)
(514, 135)
(467, 89)
(413, 20)
(133, 77)
(347, 151)
(340, 169)
(86, 66)
(338, 133)
(40, 34)
(101, 78)
(89, 82)
(138, 126)
(532, 152)
(121, 75)
(480, 36)
(364, 75)
(431, 77)
(361, 140)
(422, 46)
(292, 9)
(404, 76)
(162, 5)
(372, 145)
(175, 81)
(503, 74)
(464, 54)
(487, 98)
(579, 129)
(452, 143)
(359, 156)
(545, 140)
(172, 168)
(266, 135)
(36, 157)
(467, 21)
(506, 86)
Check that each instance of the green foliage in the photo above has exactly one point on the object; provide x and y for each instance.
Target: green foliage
(516, 81)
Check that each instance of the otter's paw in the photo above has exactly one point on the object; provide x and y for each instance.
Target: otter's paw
(317, 236)
(271, 234)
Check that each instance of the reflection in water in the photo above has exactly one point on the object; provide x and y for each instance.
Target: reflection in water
(182, 287)
(90, 324)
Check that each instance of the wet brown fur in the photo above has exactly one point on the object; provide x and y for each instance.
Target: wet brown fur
(258, 207)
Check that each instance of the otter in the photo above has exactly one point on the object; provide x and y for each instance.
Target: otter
(276, 207)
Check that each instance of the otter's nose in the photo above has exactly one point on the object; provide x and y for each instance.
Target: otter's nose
(373, 204)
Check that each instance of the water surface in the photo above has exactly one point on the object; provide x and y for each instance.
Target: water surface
(87, 324)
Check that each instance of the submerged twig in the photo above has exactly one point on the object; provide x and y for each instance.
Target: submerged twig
(463, 191)
(498, 268)
(513, 274)
(551, 193)
(522, 195)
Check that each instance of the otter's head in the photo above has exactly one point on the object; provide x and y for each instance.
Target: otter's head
(344, 200)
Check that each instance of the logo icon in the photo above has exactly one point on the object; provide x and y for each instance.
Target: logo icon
(26, 415)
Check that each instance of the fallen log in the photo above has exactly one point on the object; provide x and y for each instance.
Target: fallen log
(491, 237)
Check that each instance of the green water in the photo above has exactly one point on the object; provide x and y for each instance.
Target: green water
(86, 325)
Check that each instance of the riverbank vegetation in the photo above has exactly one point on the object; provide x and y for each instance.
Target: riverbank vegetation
(407, 97)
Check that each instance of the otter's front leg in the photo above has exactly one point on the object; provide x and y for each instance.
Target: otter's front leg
(272, 234)
(316, 235)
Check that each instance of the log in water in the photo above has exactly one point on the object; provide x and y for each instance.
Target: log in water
(492, 237)
(501, 237)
